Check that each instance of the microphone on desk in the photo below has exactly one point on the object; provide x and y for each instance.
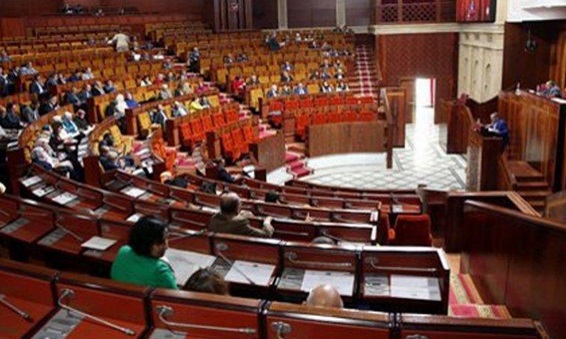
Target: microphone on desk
(181, 236)
(164, 312)
(15, 309)
(223, 247)
(68, 293)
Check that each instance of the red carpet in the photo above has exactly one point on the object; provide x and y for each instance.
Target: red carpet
(465, 301)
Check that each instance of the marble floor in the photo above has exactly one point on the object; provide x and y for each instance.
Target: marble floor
(421, 161)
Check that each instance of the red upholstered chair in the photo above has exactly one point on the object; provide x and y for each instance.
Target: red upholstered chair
(231, 116)
(337, 100)
(352, 100)
(321, 101)
(367, 100)
(218, 120)
(239, 140)
(301, 123)
(198, 130)
(319, 118)
(350, 116)
(334, 117)
(411, 230)
(249, 135)
(366, 116)
(186, 134)
(306, 103)
(229, 148)
(207, 124)
(276, 105)
(292, 104)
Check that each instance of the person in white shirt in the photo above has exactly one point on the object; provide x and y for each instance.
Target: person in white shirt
(122, 42)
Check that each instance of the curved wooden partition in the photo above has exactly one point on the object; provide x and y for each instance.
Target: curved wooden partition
(517, 260)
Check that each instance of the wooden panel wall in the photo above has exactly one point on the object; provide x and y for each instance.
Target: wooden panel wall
(433, 55)
(311, 13)
(346, 138)
(265, 14)
(518, 261)
(528, 68)
(360, 12)
(16, 8)
(537, 133)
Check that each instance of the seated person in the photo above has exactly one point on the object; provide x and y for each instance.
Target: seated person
(130, 101)
(300, 89)
(342, 87)
(69, 125)
(232, 220)
(158, 116)
(179, 110)
(324, 296)
(81, 122)
(272, 42)
(252, 80)
(39, 156)
(238, 86)
(195, 106)
(207, 280)
(109, 87)
(97, 89)
(204, 102)
(286, 90)
(326, 87)
(314, 75)
(223, 174)
(287, 67)
(242, 57)
(497, 127)
(140, 261)
(552, 90)
(228, 59)
(9, 119)
(273, 197)
(286, 77)
(339, 74)
(145, 81)
(168, 179)
(165, 92)
(273, 92)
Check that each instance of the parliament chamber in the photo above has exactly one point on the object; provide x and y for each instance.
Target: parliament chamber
(119, 113)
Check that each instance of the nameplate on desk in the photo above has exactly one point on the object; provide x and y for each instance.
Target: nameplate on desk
(14, 226)
(185, 263)
(412, 287)
(397, 209)
(242, 270)
(133, 192)
(64, 198)
(52, 237)
(60, 325)
(43, 191)
(161, 333)
(98, 243)
(134, 217)
(145, 196)
(342, 281)
(31, 181)
(101, 211)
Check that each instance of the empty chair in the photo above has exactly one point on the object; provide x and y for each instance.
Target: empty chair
(411, 230)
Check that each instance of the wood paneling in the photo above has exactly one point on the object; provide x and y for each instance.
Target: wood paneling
(528, 68)
(360, 12)
(518, 261)
(433, 55)
(265, 14)
(18, 8)
(346, 138)
(311, 13)
(270, 151)
(537, 131)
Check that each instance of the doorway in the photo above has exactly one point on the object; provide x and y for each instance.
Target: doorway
(424, 101)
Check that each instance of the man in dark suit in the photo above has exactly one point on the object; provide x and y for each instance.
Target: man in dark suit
(97, 89)
(30, 113)
(231, 220)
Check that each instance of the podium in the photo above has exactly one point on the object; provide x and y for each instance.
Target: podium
(483, 162)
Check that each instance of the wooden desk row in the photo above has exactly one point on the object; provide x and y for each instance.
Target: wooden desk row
(136, 312)
(138, 197)
(275, 269)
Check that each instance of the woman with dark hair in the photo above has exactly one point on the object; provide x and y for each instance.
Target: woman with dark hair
(207, 280)
(139, 262)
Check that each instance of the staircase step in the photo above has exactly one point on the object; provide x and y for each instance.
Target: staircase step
(532, 186)
(534, 194)
(301, 172)
(524, 172)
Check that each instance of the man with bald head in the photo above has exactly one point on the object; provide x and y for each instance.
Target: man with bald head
(324, 296)
(230, 219)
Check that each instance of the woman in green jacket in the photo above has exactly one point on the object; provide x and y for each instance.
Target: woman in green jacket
(140, 262)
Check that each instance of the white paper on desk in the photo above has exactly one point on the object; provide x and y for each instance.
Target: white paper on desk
(342, 281)
(31, 181)
(133, 192)
(42, 191)
(64, 198)
(411, 287)
(185, 263)
(260, 274)
(98, 243)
